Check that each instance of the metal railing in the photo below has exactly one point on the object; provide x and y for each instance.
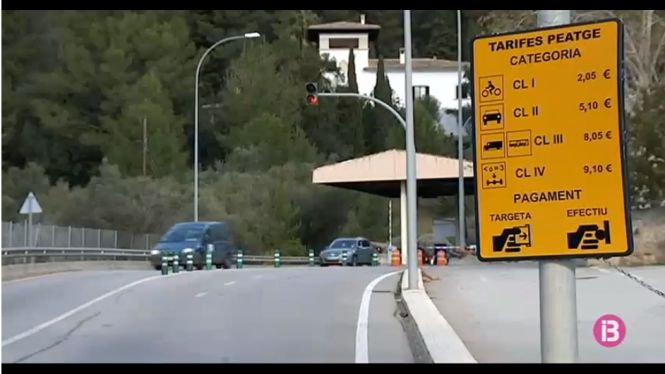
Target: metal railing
(13, 256)
(15, 235)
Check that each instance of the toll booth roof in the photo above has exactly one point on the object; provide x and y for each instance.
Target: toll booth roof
(382, 173)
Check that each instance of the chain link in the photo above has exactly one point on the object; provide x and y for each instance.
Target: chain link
(638, 280)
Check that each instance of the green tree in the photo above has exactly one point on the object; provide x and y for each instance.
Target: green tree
(391, 37)
(647, 150)
(435, 33)
(350, 115)
(87, 62)
(368, 217)
(429, 136)
(275, 140)
(352, 79)
(260, 206)
(50, 108)
(17, 183)
(256, 86)
(380, 120)
(122, 142)
(284, 221)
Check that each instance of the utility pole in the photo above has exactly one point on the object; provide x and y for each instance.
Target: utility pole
(558, 304)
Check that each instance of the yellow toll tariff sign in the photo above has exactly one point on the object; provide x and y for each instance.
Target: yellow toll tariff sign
(548, 142)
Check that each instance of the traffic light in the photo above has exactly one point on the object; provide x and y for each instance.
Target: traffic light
(312, 93)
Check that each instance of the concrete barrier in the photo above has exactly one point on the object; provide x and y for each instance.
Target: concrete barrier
(18, 271)
(436, 341)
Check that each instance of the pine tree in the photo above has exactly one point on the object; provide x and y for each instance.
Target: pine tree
(352, 79)
(350, 114)
(145, 102)
(376, 132)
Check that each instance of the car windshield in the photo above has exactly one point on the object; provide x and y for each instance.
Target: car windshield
(342, 243)
(183, 233)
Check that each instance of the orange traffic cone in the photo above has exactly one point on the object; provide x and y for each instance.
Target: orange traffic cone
(396, 258)
(441, 258)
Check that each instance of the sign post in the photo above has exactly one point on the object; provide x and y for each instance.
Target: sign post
(30, 206)
(551, 179)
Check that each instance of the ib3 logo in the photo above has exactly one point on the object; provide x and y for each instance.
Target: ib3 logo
(609, 330)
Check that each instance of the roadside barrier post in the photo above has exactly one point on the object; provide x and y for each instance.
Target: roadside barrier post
(239, 259)
(278, 259)
(165, 264)
(190, 261)
(176, 264)
(209, 257)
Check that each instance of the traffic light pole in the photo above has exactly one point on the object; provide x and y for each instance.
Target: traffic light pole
(412, 262)
(368, 98)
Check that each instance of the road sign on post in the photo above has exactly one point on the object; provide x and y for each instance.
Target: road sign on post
(550, 168)
(30, 206)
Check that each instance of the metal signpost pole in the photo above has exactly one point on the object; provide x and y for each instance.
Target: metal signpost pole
(520, 164)
(30, 241)
(461, 240)
(411, 197)
(558, 306)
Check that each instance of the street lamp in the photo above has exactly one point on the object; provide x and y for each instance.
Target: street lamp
(249, 35)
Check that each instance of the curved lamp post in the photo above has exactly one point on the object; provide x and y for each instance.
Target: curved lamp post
(250, 35)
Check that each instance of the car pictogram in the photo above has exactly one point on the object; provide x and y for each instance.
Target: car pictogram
(492, 115)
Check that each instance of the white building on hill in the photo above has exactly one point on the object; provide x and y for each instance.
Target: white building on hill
(431, 76)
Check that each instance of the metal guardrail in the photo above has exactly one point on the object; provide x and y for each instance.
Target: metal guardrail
(24, 255)
(295, 260)
(23, 251)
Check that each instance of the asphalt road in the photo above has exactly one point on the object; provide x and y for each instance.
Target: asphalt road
(494, 308)
(290, 314)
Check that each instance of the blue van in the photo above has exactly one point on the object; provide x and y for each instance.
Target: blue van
(194, 237)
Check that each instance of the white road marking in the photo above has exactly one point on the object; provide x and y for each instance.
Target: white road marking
(230, 283)
(200, 294)
(63, 316)
(362, 347)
